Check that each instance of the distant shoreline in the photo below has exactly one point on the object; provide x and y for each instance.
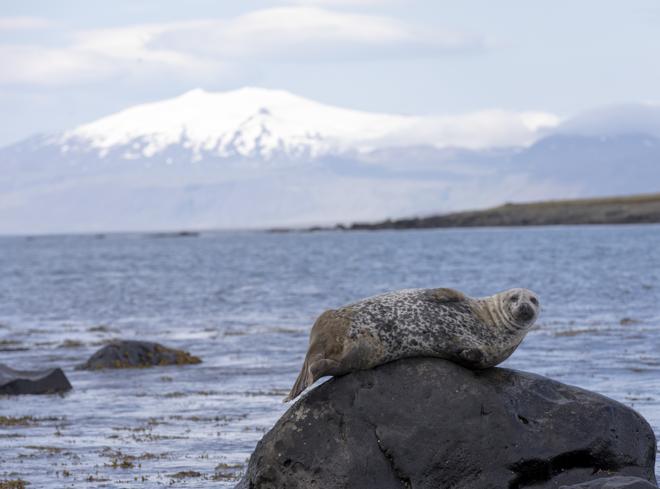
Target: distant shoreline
(635, 209)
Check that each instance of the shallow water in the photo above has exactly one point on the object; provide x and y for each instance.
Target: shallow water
(244, 303)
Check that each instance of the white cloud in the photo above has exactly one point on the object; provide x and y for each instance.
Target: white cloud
(351, 3)
(211, 49)
(133, 45)
(310, 33)
(477, 130)
(100, 55)
(23, 23)
(49, 66)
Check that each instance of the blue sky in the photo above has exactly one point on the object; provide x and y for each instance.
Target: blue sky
(67, 62)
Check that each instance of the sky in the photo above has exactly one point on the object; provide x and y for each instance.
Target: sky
(69, 62)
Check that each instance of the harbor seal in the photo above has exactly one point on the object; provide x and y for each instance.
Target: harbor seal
(445, 323)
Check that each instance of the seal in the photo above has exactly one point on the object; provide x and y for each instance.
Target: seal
(444, 323)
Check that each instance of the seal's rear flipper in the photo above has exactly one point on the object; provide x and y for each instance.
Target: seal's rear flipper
(304, 379)
(309, 374)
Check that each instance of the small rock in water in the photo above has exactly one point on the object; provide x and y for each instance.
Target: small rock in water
(614, 483)
(13, 484)
(137, 354)
(186, 474)
(429, 423)
(14, 382)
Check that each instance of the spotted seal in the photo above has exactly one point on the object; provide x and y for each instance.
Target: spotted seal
(444, 323)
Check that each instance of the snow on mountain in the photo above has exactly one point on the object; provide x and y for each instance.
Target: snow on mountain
(259, 158)
(261, 123)
(249, 122)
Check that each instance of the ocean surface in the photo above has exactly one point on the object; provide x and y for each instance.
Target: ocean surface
(244, 303)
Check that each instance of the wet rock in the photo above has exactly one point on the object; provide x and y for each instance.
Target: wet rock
(427, 423)
(50, 381)
(137, 354)
(614, 483)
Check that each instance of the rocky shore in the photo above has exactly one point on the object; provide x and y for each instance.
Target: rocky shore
(428, 423)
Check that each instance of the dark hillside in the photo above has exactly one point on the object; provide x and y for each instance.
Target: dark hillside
(614, 210)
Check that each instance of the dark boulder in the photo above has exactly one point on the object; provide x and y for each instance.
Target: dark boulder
(427, 423)
(614, 483)
(50, 381)
(137, 354)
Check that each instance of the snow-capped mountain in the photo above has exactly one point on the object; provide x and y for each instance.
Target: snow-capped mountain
(265, 124)
(250, 123)
(257, 158)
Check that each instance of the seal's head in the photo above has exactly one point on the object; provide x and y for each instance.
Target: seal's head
(520, 306)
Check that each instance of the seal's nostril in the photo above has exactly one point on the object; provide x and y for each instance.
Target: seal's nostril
(526, 312)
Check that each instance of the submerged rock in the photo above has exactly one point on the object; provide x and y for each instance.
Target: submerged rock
(428, 423)
(614, 483)
(137, 354)
(14, 382)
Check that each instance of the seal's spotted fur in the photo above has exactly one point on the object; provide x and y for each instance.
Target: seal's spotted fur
(444, 323)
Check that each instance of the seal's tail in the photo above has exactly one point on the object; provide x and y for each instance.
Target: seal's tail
(304, 380)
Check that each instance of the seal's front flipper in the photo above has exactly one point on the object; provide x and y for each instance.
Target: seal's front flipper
(472, 357)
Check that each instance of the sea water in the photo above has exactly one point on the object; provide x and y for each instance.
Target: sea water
(244, 303)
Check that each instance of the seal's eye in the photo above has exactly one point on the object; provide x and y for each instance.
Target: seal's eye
(534, 301)
(513, 298)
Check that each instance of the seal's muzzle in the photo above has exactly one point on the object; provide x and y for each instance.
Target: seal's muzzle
(525, 312)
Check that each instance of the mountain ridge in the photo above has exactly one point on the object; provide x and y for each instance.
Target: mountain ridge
(271, 158)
